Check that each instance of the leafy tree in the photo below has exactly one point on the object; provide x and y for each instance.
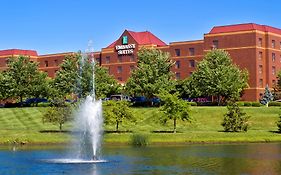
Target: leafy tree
(152, 73)
(117, 111)
(235, 120)
(65, 81)
(267, 96)
(57, 115)
(174, 109)
(6, 86)
(42, 85)
(105, 84)
(217, 76)
(22, 75)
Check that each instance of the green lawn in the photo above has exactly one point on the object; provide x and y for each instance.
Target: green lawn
(24, 125)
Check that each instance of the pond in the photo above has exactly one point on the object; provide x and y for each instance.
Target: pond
(262, 158)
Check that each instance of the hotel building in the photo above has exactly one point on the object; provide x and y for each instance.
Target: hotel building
(252, 46)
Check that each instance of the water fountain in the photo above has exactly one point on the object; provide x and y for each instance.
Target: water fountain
(89, 119)
(88, 122)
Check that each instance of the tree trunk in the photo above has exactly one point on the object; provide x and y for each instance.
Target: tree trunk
(219, 100)
(60, 127)
(117, 125)
(175, 125)
(267, 104)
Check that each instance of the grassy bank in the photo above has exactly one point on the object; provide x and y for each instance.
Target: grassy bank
(24, 125)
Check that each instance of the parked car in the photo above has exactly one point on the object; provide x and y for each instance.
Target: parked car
(120, 97)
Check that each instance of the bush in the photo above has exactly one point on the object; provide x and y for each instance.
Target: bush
(247, 103)
(192, 103)
(139, 140)
(44, 104)
(240, 103)
(274, 103)
(256, 104)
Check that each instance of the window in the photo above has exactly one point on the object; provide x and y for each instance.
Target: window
(260, 69)
(119, 78)
(119, 58)
(260, 83)
(273, 57)
(46, 64)
(119, 69)
(260, 42)
(178, 75)
(260, 55)
(191, 51)
(273, 43)
(177, 65)
(132, 58)
(191, 63)
(273, 70)
(178, 52)
(56, 62)
(107, 59)
(215, 44)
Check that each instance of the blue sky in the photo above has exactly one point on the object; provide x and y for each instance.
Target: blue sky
(53, 26)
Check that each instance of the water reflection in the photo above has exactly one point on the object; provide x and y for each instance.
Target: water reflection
(188, 159)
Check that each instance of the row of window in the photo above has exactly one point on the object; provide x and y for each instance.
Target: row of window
(119, 59)
(261, 82)
(273, 43)
(261, 70)
(191, 64)
(191, 52)
(273, 57)
(47, 63)
(120, 69)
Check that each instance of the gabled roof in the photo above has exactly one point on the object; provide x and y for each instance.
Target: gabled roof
(244, 27)
(143, 38)
(18, 52)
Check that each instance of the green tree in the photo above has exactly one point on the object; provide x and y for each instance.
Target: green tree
(65, 82)
(42, 85)
(216, 75)
(116, 112)
(22, 74)
(152, 73)
(6, 86)
(174, 109)
(235, 120)
(267, 96)
(106, 84)
(57, 115)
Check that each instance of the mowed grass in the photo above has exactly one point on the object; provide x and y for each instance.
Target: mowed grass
(24, 125)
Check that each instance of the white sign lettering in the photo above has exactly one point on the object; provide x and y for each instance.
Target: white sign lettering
(125, 49)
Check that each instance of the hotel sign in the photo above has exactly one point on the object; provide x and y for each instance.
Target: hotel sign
(125, 48)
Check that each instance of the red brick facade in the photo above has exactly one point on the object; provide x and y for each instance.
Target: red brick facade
(254, 47)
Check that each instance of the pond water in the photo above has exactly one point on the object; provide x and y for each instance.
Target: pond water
(262, 158)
